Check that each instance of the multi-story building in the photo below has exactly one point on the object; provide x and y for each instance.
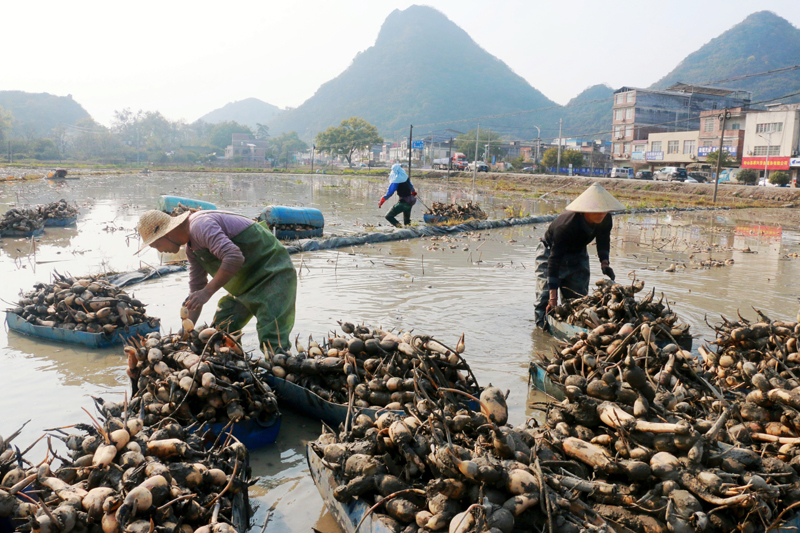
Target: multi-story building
(772, 140)
(247, 147)
(678, 148)
(733, 137)
(637, 113)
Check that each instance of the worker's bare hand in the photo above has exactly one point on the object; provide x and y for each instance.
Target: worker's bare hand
(197, 300)
(551, 305)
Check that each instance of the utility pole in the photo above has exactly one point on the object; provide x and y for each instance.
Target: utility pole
(449, 157)
(313, 147)
(558, 161)
(723, 117)
(475, 162)
(410, 132)
(138, 155)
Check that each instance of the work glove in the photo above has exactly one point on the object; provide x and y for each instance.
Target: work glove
(608, 272)
(413, 193)
(380, 203)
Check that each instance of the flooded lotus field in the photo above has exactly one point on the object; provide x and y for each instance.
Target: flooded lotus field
(481, 284)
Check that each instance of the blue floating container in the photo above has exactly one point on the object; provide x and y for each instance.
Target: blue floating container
(12, 233)
(253, 433)
(167, 203)
(434, 219)
(539, 378)
(60, 222)
(347, 515)
(83, 338)
(275, 216)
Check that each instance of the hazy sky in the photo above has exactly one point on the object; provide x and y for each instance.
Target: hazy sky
(187, 58)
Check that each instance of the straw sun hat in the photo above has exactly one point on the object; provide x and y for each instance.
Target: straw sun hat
(155, 224)
(595, 199)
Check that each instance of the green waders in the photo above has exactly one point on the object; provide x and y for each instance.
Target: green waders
(265, 287)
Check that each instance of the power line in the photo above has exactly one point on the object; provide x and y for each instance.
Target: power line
(746, 76)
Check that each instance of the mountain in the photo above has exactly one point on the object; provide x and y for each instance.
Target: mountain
(763, 41)
(422, 69)
(250, 111)
(589, 113)
(36, 114)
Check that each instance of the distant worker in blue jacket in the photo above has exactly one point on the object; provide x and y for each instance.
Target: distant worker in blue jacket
(399, 182)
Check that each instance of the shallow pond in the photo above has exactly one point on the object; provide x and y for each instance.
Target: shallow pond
(481, 284)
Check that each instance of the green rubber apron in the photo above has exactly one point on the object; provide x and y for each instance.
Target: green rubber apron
(265, 287)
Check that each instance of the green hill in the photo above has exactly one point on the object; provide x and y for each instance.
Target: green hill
(763, 41)
(250, 111)
(36, 114)
(423, 69)
(589, 113)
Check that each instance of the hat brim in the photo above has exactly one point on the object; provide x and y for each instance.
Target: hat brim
(174, 223)
(595, 199)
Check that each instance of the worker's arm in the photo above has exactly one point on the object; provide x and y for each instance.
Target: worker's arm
(211, 236)
(604, 246)
(391, 191)
(198, 299)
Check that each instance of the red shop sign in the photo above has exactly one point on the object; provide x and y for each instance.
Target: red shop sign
(774, 163)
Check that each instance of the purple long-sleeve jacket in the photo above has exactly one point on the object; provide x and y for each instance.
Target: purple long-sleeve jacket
(213, 231)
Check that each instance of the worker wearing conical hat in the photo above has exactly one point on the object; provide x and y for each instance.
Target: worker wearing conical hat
(562, 261)
(240, 255)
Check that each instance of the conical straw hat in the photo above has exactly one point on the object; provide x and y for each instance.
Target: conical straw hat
(595, 199)
(155, 224)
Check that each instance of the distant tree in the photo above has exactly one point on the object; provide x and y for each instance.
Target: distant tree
(285, 144)
(220, 134)
(262, 131)
(727, 160)
(5, 123)
(351, 134)
(465, 143)
(550, 158)
(96, 141)
(747, 176)
(780, 178)
(44, 149)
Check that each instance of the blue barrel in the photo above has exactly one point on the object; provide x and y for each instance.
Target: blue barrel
(276, 215)
(434, 219)
(167, 203)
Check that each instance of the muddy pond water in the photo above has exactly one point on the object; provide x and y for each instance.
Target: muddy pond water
(481, 284)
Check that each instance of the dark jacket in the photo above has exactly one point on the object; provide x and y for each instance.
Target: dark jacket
(569, 234)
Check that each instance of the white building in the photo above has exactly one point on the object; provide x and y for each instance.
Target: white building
(772, 140)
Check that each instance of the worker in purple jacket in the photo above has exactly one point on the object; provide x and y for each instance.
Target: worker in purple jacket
(242, 256)
(400, 183)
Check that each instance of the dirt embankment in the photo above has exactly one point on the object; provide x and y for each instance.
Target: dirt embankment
(653, 193)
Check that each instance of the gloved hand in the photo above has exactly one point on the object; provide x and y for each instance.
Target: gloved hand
(382, 200)
(608, 272)
(413, 193)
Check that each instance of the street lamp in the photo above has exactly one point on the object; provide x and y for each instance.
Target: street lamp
(538, 140)
(766, 161)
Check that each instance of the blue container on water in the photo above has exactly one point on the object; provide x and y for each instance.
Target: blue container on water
(275, 216)
(167, 203)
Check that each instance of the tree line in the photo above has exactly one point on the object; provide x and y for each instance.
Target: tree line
(145, 136)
